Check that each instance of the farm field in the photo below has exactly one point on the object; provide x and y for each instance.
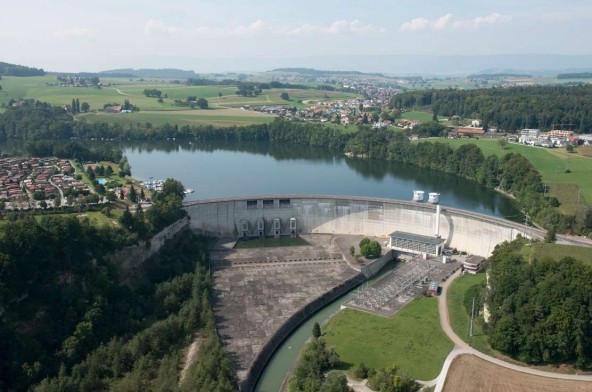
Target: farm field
(469, 373)
(571, 189)
(120, 89)
(416, 115)
(412, 339)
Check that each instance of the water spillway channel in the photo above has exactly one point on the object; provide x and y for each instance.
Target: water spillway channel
(285, 356)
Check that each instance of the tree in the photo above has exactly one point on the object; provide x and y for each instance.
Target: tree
(127, 219)
(219, 95)
(316, 330)
(90, 173)
(77, 105)
(285, 96)
(73, 106)
(371, 249)
(569, 148)
(202, 103)
(364, 241)
(550, 236)
(352, 250)
(132, 196)
(502, 142)
(84, 107)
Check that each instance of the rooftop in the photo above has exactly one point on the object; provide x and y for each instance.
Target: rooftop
(417, 238)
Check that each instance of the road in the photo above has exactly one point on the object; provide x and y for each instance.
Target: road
(461, 347)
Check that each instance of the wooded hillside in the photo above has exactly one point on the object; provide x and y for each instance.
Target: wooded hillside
(511, 108)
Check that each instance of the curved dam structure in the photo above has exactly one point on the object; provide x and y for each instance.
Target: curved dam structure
(259, 298)
(280, 215)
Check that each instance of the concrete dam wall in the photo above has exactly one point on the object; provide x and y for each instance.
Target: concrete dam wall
(274, 215)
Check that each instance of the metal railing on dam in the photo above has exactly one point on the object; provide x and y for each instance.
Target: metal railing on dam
(287, 214)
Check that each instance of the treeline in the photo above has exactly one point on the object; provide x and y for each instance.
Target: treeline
(575, 75)
(541, 312)
(33, 120)
(67, 318)
(509, 109)
(490, 76)
(511, 173)
(315, 360)
(7, 69)
(72, 150)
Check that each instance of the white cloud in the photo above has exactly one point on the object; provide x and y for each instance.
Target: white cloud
(337, 27)
(479, 21)
(159, 27)
(259, 26)
(73, 33)
(448, 21)
(241, 31)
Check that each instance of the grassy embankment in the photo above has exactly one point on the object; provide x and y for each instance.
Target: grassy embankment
(460, 319)
(572, 189)
(556, 252)
(224, 110)
(412, 339)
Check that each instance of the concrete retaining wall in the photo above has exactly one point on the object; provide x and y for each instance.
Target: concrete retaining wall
(464, 230)
(374, 267)
(131, 258)
(290, 325)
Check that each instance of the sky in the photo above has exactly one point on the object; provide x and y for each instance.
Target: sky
(240, 35)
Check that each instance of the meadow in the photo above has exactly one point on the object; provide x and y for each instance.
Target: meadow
(223, 102)
(573, 188)
(460, 320)
(556, 252)
(412, 339)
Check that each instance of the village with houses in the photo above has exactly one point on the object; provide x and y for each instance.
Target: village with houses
(37, 182)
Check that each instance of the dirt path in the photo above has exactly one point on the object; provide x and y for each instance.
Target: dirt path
(359, 386)
(190, 357)
(119, 91)
(461, 347)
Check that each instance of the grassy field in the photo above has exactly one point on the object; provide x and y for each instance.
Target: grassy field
(271, 243)
(421, 116)
(411, 339)
(222, 98)
(459, 318)
(571, 189)
(557, 252)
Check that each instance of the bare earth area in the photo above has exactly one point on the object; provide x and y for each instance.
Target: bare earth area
(469, 373)
(256, 290)
(189, 358)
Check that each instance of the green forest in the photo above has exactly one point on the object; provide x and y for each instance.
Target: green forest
(509, 109)
(69, 324)
(19, 70)
(541, 312)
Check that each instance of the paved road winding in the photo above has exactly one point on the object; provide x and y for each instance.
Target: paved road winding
(461, 347)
